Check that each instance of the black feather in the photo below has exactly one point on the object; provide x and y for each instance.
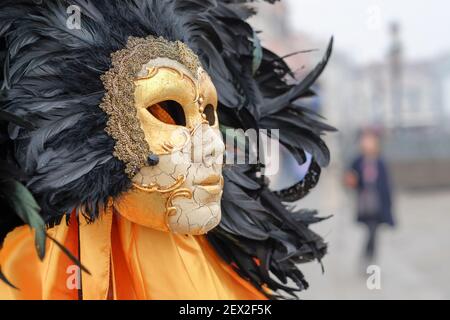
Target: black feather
(51, 79)
(68, 254)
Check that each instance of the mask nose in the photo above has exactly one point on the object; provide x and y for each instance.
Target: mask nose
(207, 146)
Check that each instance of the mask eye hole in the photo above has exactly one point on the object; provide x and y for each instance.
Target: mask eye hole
(170, 112)
(210, 114)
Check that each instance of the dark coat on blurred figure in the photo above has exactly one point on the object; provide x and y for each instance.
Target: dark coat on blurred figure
(383, 189)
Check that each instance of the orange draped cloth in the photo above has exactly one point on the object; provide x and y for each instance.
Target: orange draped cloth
(125, 261)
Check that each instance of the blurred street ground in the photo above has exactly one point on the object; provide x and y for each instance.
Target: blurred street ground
(414, 258)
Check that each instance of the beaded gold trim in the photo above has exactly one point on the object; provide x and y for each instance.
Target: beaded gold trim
(118, 103)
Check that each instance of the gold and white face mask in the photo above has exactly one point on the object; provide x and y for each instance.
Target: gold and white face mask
(162, 109)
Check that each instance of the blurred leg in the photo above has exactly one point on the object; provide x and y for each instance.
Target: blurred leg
(371, 240)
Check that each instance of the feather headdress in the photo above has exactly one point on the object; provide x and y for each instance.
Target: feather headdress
(51, 78)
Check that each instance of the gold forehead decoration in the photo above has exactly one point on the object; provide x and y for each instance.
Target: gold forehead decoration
(118, 102)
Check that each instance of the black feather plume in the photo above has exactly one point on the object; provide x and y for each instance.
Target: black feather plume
(51, 79)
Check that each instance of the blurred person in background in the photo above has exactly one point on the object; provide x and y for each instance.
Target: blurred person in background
(369, 177)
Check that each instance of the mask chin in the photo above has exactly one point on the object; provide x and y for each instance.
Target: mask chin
(196, 221)
(184, 216)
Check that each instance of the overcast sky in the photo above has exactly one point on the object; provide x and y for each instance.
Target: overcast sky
(360, 26)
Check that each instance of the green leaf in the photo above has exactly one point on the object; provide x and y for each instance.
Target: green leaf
(23, 203)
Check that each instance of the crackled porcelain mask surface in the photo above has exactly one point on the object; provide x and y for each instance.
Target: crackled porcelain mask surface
(169, 111)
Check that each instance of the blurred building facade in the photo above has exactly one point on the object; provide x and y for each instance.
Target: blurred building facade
(398, 94)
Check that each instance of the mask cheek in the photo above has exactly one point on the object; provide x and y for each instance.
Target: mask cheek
(146, 209)
(147, 203)
(187, 209)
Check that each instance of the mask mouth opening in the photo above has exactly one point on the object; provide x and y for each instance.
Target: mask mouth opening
(169, 112)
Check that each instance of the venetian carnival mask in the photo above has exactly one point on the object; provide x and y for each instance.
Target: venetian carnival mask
(162, 109)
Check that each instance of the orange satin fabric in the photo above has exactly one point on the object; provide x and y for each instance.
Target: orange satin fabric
(126, 261)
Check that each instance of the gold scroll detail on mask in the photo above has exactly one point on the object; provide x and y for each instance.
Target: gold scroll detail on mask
(174, 191)
(169, 147)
